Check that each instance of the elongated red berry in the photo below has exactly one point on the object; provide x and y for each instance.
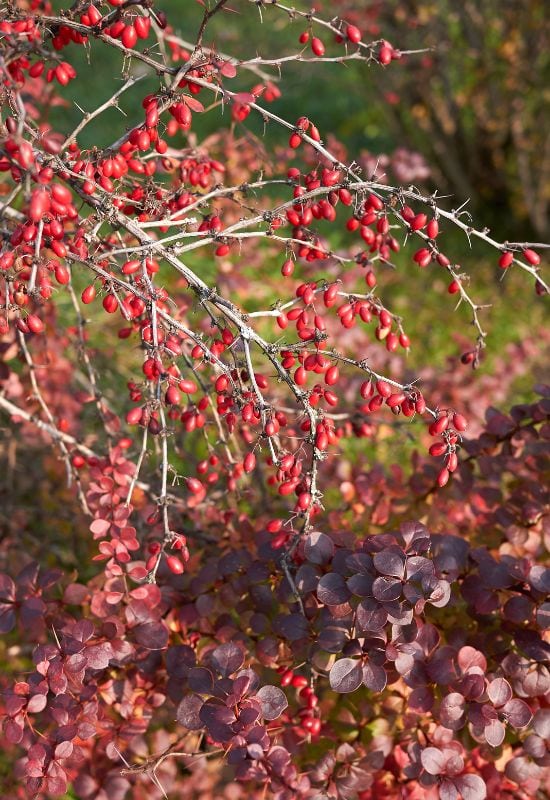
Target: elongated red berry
(506, 259)
(353, 33)
(317, 47)
(531, 257)
(174, 565)
(460, 423)
(88, 295)
(443, 477)
(129, 36)
(194, 485)
(35, 324)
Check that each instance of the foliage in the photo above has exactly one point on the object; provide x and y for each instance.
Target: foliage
(236, 594)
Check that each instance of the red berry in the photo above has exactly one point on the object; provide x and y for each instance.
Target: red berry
(304, 501)
(432, 228)
(131, 267)
(443, 477)
(188, 386)
(110, 303)
(35, 324)
(441, 424)
(506, 259)
(385, 55)
(288, 268)
(531, 257)
(129, 36)
(353, 33)
(454, 287)
(172, 396)
(39, 205)
(418, 222)
(174, 565)
(317, 47)
(194, 485)
(134, 415)
(384, 389)
(286, 677)
(142, 26)
(460, 423)
(221, 384)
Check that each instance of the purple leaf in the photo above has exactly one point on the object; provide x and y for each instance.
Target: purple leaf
(83, 630)
(494, 732)
(188, 713)
(346, 675)
(218, 719)
(13, 731)
(370, 616)
(248, 675)
(415, 536)
(433, 760)
(451, 711)
(307, 578)
(255, 751)
(539, 578)
(471, 787)
(543, 616)
(318, 548)
(534, 746)
(541, 723)
(360, 584)
(374, 677)
(421, 699)
(7, 618)
(471, 659)
(98, 656)
(273, 701)
(332, 589)
(517, 713)
(7, 588)
(447, 790)
(201, 680)
(499, 691)
(332, 639)
(37, 703)
(418, 568)
(227, 658)
(63, 750)
(291, 626)
(521, 769)
(152, 635)
(386, 589)
(438, 591)
(390, 561)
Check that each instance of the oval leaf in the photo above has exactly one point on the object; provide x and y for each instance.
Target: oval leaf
(332, 589)
(273, 701)
(346, 675)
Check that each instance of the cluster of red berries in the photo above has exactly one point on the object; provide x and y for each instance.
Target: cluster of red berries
(309, 722)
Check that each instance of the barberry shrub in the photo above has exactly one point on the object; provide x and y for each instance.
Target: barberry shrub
(214, 583)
